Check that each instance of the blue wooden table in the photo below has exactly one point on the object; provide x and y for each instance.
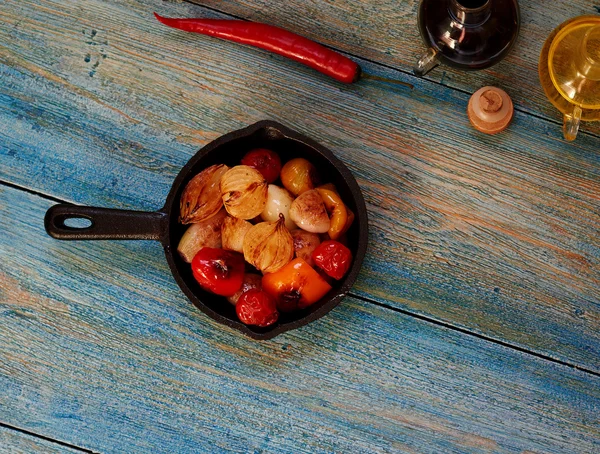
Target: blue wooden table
(474, 325)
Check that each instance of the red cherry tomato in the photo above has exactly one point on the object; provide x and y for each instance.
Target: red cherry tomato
(265, 161)
(256, 307)
(333, 257)
(219, 271)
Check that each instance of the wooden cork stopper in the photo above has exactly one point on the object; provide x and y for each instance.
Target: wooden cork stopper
(490, 110)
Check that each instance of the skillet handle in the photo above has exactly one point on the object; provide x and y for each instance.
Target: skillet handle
(104, 223)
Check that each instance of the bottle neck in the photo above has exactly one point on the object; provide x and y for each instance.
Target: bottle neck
(470, 12)
(588, 58)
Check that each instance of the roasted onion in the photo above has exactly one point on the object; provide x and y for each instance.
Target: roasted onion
(309, 213)
(279, 201)
(304, 244)
(201, 199)
(233, 231)
(202, 234)
(269, 246)
(244, 192)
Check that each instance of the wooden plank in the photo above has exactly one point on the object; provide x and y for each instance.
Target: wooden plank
(498, 235)
(14, 442)
(101, 350)
(386, 31)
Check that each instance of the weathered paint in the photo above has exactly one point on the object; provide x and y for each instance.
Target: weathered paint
(386, 31)
(101, 350)
(15, 442)
(498, 235)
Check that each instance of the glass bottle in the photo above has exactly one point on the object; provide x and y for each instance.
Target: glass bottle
(569, 70)
(467, 34)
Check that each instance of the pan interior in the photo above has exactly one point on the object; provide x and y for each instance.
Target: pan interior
(230, 152)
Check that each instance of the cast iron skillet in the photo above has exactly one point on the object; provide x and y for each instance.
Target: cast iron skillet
(162, 225)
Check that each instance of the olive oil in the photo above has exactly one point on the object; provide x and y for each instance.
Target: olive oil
(569, 70)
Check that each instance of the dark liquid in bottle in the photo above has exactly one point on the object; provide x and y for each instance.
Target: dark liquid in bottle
(470, 34)
(472, 4)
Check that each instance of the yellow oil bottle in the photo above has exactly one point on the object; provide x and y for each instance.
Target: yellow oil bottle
(569, 70)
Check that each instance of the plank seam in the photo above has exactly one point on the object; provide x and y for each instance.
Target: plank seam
(475, 334)
(408, 73)
(31, 191)
(43, 437)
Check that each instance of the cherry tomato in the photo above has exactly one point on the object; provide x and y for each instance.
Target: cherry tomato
(256, 307)
(333, 257)
(265, 161)
(218, 271)
(251, 280)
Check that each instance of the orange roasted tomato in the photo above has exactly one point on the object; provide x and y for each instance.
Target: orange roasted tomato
(295, 286)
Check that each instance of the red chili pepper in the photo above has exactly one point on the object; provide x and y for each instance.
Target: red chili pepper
(273, 39)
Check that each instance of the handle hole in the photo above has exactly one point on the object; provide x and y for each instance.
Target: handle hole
(77, 223)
